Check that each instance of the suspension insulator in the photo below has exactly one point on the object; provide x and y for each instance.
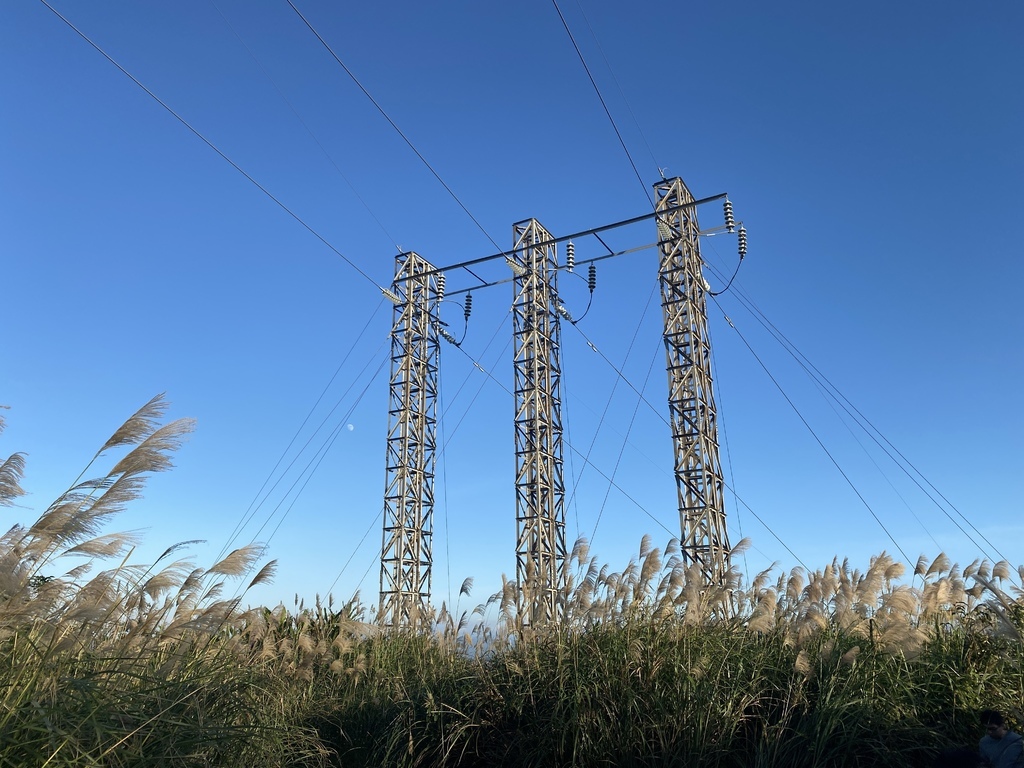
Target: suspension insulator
(469, 305)
(447, 336)
(440, 286)
(664, 232)
(519, 270)
(570, 256)
(743, 241)
(592, 277)
(730, 221)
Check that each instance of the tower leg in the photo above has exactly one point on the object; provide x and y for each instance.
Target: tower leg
(690, 396)
(406, 557)
(540, 492)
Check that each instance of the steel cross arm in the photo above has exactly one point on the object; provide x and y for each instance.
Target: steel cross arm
(583, 233)
(579, 263)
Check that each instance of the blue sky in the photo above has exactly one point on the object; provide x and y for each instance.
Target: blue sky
(872, 151)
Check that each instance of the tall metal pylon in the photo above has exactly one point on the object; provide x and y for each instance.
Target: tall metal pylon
(406, 555)
(540, 491)
(691, 400)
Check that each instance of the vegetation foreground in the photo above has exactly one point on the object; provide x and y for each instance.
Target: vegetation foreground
(156, 665)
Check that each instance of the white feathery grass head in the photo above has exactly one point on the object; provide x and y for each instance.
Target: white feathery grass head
(1001, 570)
(265, 576)
(153, 454)
(939, 565)
(895, 570)
(645, 545)
(140, 425)
(802, 663)
(922, 566)
(935, 597)
(12, 470)
(239, 561)
(107, 545)
(902, 601)
(580, 551)
(651, 565)
(740, 547)
(795, 585)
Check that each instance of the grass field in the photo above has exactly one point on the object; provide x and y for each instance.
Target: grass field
(110, 663)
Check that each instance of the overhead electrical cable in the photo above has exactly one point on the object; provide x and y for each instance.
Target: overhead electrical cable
(600, 97)
(305, 125)
(611, 395)
(845, 418)
(246, 515)
(618, 87)
(344, 567)
(721, 410)
(861, 420)
(394, 125)
(872, 431)
(258, 502)
(571, 447)
(307, 473)
(438, 456)
(728, 285)
(313, 464)
(818, 440)
(603, 416)
(620, 374)
(622, 450)
(213, 146)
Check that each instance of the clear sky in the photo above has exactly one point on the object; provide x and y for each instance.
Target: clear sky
(873, 152)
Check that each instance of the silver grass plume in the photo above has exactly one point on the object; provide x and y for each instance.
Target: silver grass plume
(139, 425)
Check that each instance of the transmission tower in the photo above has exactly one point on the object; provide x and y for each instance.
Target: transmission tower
(540, 492)
(411, 444)
(691, 400)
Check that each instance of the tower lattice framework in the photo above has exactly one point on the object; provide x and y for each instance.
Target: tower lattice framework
(406, 556)
(692, 412)
(540, 491)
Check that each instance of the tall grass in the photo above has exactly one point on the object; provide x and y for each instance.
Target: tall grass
(105, 662)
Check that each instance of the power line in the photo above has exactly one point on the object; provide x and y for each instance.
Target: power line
(607, 112)
(618, 87)
(622, 447)
(862, 421)
(819, 442)
(574, 449)
(305, 125)
(253, 506)
(394, 125)
(212, 146)
(314, 463)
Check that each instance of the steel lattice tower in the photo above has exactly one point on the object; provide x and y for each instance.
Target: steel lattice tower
(691, 400)
(540, 492)
(411, 446)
